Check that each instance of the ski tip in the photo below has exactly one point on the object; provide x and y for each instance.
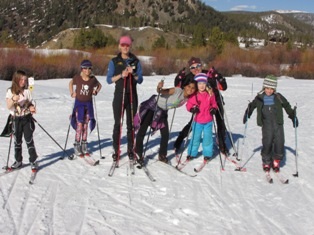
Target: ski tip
(96, 163)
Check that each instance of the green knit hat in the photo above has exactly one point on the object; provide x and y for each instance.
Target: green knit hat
(270, 81)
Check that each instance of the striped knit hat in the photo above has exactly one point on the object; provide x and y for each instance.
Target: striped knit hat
(201, 77)
(270, 81)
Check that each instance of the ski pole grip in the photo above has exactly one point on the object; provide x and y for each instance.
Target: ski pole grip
(159, 89)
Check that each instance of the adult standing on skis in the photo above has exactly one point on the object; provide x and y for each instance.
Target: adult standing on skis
(86, 85)
(217, 82)
(269, 105)
(125, 71)
(20, 103)
(154, 112)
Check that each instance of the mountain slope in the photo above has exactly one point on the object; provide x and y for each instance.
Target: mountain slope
(71, 197)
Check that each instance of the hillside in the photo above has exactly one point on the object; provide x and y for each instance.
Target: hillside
(36, 23)
(74, 198)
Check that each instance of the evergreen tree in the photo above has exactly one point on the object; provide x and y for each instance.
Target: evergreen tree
(216, 39)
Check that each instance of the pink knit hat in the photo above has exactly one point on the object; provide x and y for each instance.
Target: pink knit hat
(125, 40)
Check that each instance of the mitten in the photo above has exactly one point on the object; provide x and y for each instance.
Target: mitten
(245, 117)
(195, 110)
(212, 111)
(295, 121)
(220, 78)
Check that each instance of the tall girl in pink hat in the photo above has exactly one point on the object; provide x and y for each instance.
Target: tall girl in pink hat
(125, 71)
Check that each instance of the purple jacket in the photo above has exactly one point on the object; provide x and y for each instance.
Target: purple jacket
(159, 118)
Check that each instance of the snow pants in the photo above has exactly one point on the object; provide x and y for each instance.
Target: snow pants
(201, 133)
(273, 137)
(24, 126)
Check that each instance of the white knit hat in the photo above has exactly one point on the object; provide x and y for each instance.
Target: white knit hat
(201, 77)
(270, 81)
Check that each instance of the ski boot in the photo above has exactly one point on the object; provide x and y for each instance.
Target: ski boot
(266, 167)
(163, 158)
(276, 165)
(16, 165)
(114, 157)
(34, 166)
(77, 148)
(84, 148)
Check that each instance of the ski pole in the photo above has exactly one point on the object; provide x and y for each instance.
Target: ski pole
(132, 113)
(121, 121)
(68, 132)
(222, 167)
(51, 137)
(238, 157)
(8, 132)
(7, 166)
(223, 119)
(97, 125)
(296, 142)
(150, 129)
(174, 112)
(186, 140)
(66, 140)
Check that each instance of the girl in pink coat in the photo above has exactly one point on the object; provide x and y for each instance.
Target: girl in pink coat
(203, 105)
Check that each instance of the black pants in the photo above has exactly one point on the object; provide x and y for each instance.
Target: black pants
(117, 107)
(221, 129)
(164, 132)
(24, 125)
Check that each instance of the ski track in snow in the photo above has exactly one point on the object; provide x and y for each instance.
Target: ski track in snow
(71, 197)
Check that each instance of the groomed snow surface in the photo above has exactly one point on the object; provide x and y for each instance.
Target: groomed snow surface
(72, 197)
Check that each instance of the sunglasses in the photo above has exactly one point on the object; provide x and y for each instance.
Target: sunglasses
(196, 67)
(90, 68)
(124, 45)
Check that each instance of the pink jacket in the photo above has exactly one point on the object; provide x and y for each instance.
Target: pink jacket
(205, 102)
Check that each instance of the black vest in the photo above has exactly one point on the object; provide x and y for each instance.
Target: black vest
(120, 65)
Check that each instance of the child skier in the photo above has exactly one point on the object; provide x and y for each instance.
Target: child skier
(20, 103)
(203, 105)
(87, 85)
(269, 106)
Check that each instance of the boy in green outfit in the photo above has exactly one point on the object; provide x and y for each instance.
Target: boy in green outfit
(269, 105)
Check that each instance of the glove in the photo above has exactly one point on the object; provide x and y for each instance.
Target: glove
(219, 77)
(195, 109)
(295, 122)
(245, 117)
(212, 111)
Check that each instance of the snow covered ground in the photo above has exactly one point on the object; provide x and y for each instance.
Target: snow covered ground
(71, 197)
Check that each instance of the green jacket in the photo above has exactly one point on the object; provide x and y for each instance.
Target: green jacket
(280, 102)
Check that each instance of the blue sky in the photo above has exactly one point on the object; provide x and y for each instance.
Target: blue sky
(261, 5)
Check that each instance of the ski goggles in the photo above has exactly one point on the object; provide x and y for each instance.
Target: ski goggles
(196, 67)
(124, 45)
(90, 68)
